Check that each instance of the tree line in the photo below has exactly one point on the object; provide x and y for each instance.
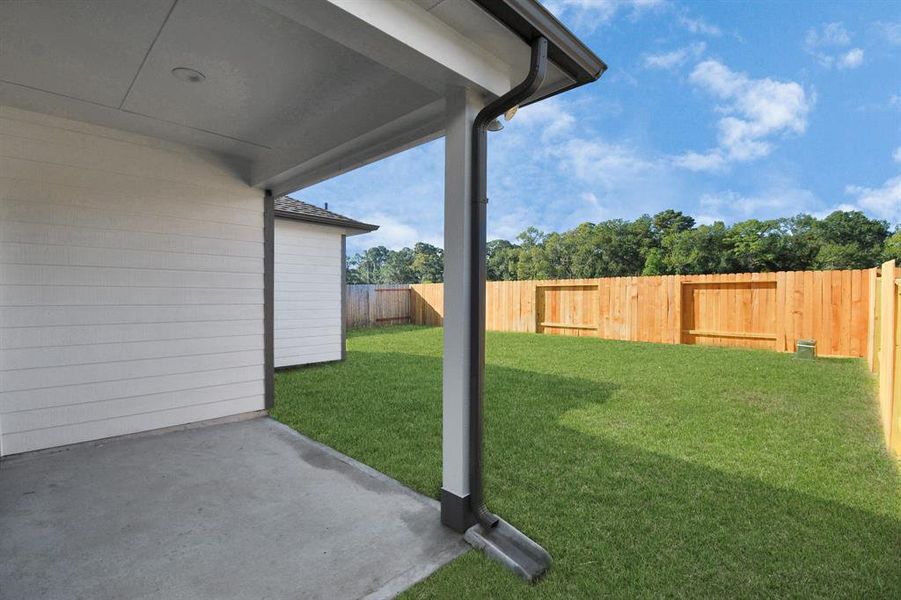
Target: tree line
(668, 243)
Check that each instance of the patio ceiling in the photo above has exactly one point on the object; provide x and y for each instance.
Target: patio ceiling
(298, 91)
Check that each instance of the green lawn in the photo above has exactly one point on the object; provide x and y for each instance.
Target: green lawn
(645, 469)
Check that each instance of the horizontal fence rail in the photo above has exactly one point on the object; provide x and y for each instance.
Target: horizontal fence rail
(752, 310)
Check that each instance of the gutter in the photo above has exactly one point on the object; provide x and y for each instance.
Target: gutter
(529, 20)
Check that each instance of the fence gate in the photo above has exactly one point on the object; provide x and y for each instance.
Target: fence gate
(729, 313)
(567, 309)
(391, 305)
(369, 305)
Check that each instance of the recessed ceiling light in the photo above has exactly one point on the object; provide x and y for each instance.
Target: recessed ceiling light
(189, 75)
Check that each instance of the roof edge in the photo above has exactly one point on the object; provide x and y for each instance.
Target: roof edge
(528, 19)
(356, 225)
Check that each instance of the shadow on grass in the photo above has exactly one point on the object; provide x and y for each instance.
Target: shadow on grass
(618, 520)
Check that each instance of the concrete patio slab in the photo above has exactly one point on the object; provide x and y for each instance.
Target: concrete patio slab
(247, 509)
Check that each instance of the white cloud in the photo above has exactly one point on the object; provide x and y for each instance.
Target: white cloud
(668, 60)
(896, 155)
(778, 199)
(600, 163)
(890, 32)
(550, 118)
(844, 207)
(893, 103)
(754, 111)
(850, 60)
(699, 25)
(694, 161)
(394, 233)
(588, 14)
(829, 35)
(705, 219)
(598, 179)
(825, 43)
(403, 194)
(884, 201)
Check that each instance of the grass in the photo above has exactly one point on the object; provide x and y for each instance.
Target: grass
(646, 470)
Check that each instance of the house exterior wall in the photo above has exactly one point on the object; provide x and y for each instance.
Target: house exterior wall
(308, 291)
(131, 284)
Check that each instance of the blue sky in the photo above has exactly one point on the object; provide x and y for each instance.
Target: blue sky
(725, 111)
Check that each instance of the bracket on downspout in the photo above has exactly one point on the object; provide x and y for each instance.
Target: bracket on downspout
(500, 540)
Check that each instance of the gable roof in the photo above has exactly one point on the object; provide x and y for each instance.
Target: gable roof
(289, 208)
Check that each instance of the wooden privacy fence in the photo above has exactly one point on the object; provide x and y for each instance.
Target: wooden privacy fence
(752, 310)
(885, 357)
(848, 313)
(371, 305)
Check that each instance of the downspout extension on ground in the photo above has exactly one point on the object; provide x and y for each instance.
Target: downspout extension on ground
(497, 538)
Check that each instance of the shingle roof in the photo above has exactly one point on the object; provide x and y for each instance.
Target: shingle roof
(290, 208)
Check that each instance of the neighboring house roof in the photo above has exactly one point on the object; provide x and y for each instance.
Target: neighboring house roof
(289, 208)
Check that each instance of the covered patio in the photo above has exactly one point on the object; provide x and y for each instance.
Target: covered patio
(143, 144)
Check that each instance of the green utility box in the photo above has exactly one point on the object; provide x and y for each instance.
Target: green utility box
(807, 349)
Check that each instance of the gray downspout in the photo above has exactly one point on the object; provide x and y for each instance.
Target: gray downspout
(268, 300)
(343, 296)
(496, 537)
(478, 269)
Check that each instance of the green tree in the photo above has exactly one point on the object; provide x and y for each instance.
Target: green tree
(849, 240)
(802, 242)
(503, 258)
(892, 247)
(367, 266)
(532, 261)
(428, 263)
(655, 263)
(583, 251)
(669, 222)
(699, 250)
(620, 249)
(755, 246)
(666, 243)
(398, 267)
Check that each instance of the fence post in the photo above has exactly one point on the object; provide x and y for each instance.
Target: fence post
(871, 319)
(678, 337)
(895, 392)
(887, 315)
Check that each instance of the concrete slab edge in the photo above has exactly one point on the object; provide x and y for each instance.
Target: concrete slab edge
(408, 579)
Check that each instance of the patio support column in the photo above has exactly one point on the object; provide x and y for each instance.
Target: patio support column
(462, 107)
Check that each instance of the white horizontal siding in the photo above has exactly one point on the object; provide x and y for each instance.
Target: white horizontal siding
(32, 399)
(113, 333)
(307, 293)
(48, 437)
(30, 316)
(131, 284)
(85, 237)
(77, 256)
